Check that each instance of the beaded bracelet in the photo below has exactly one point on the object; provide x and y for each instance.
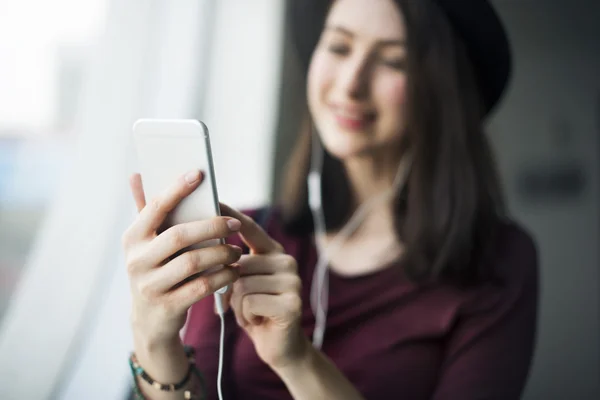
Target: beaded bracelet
(137, 370)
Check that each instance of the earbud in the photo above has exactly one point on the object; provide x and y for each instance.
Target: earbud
(223, 290)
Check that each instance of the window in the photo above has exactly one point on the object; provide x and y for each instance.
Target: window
(44, 48)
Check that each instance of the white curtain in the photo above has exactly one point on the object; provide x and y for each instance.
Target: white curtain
(66, 333)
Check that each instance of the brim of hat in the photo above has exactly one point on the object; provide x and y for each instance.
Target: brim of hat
(480, 27)
(475, 21)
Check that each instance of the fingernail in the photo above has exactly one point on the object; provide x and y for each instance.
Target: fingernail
(237, 249)
(234, 224)
(192, 177)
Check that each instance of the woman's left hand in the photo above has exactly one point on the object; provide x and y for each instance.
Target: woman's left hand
(266, 298)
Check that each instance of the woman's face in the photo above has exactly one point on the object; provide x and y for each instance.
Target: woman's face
(357, 80)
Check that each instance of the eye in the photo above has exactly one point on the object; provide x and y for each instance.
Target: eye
(339, 49)
(395, 63)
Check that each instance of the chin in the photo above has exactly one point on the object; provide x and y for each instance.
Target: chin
(343, 146)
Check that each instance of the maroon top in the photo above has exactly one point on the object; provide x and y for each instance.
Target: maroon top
(392, 339)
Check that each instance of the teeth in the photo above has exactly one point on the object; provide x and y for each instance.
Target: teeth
(348, 115)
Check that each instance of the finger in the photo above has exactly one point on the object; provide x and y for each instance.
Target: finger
(267, 284)
(261, 284)
(280, 308)
(260, 264)
(196, 289)
(181, 236)
(251, 233)
(235, 302)
(137, 190)
(193, 262)
(155, 212)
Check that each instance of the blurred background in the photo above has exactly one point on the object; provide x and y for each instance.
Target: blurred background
(75, 75)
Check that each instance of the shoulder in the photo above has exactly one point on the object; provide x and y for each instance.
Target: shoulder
(512, 260)
(514, 254)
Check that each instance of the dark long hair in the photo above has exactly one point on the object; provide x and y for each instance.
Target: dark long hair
(447, 213)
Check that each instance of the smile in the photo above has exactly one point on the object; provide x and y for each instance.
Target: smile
(352, 118)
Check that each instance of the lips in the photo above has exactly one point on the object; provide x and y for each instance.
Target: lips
(353, 118)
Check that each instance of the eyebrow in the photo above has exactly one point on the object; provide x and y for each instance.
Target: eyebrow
(349, 33)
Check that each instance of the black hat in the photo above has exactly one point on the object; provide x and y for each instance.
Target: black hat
(475, 21)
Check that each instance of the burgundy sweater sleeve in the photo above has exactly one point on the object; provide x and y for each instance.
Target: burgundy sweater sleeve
(489, 353)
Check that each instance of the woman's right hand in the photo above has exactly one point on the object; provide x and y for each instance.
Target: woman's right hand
(161, 288)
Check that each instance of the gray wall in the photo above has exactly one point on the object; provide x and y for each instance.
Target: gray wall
(550, 115)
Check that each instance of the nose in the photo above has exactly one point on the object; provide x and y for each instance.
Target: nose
(354, 77)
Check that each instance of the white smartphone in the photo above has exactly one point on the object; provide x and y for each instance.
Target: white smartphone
(167, 149)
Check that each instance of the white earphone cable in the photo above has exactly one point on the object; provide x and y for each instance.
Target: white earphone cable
(319, 293)
(221, 312)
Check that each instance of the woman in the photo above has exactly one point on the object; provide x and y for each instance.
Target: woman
(434, 296)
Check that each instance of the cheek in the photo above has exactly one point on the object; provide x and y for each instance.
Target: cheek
(391, 104)
(320, 77)
(392, 96)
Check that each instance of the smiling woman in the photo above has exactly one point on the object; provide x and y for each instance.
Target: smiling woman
(398, 80)
(434, 294)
